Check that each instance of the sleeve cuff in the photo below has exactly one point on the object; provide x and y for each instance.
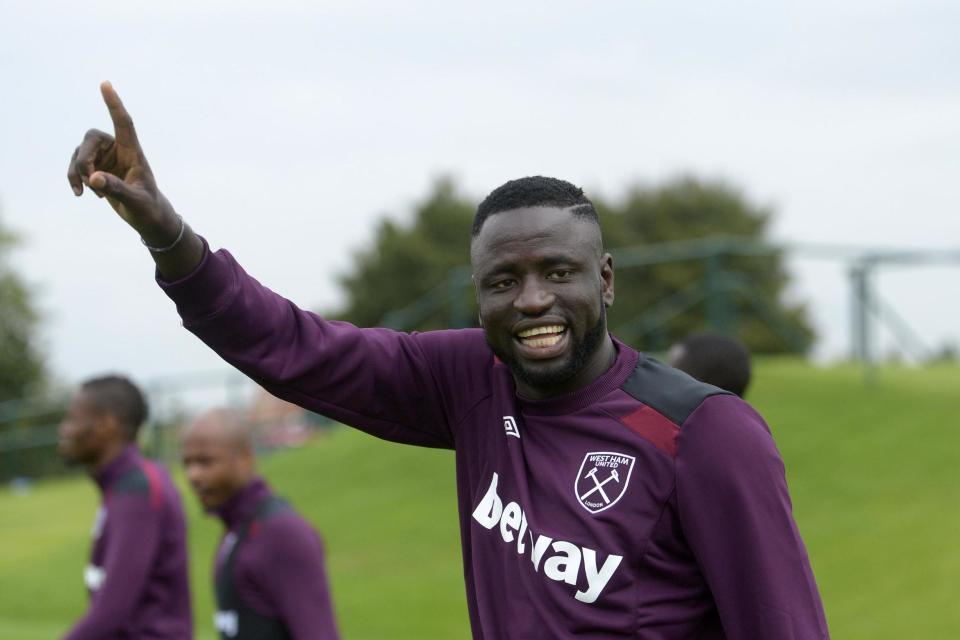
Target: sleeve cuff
(206, 290)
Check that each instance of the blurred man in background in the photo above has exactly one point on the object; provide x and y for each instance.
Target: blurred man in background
(269, 574)
(137, 576)
(714, 359)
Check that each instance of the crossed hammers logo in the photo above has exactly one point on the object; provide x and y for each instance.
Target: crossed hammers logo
(598, 485)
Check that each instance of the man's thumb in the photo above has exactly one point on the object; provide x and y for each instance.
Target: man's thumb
(110, 185)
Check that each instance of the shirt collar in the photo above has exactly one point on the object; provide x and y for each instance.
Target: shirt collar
(623, 365)
(241, 507)
(127, 460)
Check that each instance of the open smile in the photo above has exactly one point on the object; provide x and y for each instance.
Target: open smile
(545, 341)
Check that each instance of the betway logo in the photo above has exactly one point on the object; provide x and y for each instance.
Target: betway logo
(562, 560)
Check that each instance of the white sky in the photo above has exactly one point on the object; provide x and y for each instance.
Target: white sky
(284, 130)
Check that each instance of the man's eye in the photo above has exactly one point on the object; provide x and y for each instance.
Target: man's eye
(560, 274)
(501, 284)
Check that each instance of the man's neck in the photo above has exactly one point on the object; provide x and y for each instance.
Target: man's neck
(234, 508)
(110, 453)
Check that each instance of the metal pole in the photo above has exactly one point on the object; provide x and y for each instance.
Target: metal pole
(861, 337)
(718, 305)
(857, 313)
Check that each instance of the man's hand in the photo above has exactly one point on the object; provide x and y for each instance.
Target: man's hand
(115, 167)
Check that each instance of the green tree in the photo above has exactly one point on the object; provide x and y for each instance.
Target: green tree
(414, 276)
(415, 262)
(741, 295)
(21, 364)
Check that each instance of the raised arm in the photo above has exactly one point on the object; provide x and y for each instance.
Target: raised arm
(389, 384)
(114, 167)
(396, 386)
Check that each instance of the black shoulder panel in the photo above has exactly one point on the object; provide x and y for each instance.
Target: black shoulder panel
(134, 481)
(271, 507)
(670, 391)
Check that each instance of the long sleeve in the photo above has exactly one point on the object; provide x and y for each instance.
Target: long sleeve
(737, 516)
(135, 530)
(382, 381)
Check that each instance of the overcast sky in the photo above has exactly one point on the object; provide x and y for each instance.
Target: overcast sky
(283, 131)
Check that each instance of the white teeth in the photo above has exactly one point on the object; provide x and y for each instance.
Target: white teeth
(541, 342)
(540, 337)
(536, 331)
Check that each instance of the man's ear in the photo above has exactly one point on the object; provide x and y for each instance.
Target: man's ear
(606, 277)
(476, 295)
(108, 427)
(248, 454)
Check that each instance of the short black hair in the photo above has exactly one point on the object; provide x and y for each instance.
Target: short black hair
(119, 397)
(714, 359)
(533, 191)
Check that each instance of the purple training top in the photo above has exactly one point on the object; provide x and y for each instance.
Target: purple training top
(277, 570)
(137, 576)
(644, 505)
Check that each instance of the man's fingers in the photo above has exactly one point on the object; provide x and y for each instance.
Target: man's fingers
(94, 153)
(122, 122)
(73, 176)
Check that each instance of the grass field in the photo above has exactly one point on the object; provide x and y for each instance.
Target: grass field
(874, 472)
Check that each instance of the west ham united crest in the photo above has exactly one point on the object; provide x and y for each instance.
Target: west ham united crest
(603, 479)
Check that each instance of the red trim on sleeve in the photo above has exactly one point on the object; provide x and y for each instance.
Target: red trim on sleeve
(655, 427)
(155, 484)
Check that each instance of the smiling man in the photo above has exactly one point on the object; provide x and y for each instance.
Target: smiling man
(137, 575)
(269, 575)
(601, 494)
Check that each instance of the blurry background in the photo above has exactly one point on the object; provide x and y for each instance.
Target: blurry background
(782, 172)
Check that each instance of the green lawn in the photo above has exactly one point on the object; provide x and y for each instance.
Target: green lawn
(874, 471)
(875, 476)
(387, 513)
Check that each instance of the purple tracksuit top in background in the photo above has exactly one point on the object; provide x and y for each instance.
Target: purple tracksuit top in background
(644, 505)
(137, 576)
(277, 569)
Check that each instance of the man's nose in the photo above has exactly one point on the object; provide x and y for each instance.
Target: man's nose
(192, 473)
(533, 298)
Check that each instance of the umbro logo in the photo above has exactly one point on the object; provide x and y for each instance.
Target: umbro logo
(510, 427)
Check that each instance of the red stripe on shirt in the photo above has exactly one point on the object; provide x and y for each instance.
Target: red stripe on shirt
(655, 427)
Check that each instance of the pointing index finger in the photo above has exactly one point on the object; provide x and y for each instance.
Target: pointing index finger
(123, 129)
